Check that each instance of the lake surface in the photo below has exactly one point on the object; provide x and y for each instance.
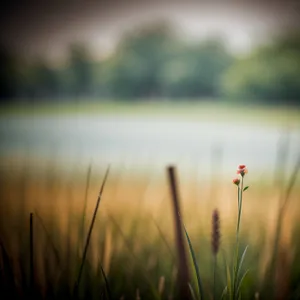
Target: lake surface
(143, 143)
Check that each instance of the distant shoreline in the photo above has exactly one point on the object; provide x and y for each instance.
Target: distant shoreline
(204, 110)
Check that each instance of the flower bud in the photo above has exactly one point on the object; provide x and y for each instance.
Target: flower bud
(236, 181)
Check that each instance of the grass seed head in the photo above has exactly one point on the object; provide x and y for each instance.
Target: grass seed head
(215, 240)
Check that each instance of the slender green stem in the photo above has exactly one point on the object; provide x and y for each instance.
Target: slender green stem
(236, 257)
(215, 271)
(240, 201)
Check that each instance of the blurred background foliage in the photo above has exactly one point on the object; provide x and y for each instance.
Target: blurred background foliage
(153, 63)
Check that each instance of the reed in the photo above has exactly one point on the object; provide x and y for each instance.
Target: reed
(215, 246)
(183, 271)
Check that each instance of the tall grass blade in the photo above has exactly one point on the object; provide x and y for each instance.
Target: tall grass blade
(281, 212)
(106, 283)
(164, 239)
(199, 282)
(228, 279)
(31, 263)
(241, 261)
(82, 225)
(224, 292)
(108, 248)
(241, 281)
(183, 271)
(136, 258)
(49, 239)
(228, 276)
(192, 292)
(89, 234)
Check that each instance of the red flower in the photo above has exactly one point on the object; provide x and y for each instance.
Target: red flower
(236, 181)
(242, 169)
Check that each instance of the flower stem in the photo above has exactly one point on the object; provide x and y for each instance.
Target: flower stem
(236, 257)
(240, 201)
(215, 267)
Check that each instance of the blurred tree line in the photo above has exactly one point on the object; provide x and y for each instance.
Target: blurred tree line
(153, 63)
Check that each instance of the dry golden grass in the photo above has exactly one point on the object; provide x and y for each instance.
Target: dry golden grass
(135, 223)
(125, 198)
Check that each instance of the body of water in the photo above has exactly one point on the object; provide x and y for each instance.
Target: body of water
(147, 142)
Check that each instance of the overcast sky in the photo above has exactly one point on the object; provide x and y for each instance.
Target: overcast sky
(48, 27)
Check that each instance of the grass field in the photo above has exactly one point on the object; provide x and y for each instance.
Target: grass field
(51, 249)
(133, 238)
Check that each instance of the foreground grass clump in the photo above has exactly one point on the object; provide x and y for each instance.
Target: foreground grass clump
(55, 244)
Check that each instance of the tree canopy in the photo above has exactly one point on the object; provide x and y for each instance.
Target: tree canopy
(270, 74)
(154, 63)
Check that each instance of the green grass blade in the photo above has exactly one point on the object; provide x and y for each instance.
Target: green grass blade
(164, 239)
(195, 264)
(90, 233)
(241, 281)
(106, 283)
(241, 261)
(192, 292)
(136, 259)
(224, 293)
(228, 279)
